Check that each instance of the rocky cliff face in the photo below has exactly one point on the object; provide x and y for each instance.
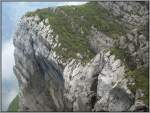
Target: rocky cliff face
(92, 70)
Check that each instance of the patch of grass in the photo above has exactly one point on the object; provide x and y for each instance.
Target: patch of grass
(14, 105)
(124, 56)
(73, 25)
(141, 77)
(119, 53)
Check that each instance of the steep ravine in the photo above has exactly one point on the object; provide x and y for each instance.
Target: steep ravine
(83, 58)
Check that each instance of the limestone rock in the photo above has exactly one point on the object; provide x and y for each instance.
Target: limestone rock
(47, 83)
(35, 72)
(99, 41)
(130, 13)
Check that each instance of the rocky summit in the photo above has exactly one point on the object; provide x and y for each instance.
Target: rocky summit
(91, 57)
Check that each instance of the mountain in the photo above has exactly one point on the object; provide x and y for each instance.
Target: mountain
(92, 57)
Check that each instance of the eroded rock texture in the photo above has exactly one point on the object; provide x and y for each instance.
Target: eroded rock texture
(49, 84)
(36, 70)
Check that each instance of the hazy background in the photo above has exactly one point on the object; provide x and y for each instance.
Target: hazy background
(11, 13)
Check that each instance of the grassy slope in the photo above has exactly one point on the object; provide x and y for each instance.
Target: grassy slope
(14, 105)
(73, 25)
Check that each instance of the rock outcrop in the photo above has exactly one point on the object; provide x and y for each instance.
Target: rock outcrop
(36, 69)
(47, 82)
(130, 13)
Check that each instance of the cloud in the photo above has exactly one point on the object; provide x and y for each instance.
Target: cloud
(74, 3)
(7, 59)
(70, 3)
(22, 3)
(9, 81)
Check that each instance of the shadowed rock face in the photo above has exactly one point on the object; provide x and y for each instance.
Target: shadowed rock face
(48, 84)
(36, 72)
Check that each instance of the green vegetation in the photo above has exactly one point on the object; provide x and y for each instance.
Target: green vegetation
(124, 56)
(73, 25)
(141, 77)
(14, 105)
(119, 53)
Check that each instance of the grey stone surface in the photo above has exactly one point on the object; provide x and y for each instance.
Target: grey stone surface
(48, 84)
(130, 13)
